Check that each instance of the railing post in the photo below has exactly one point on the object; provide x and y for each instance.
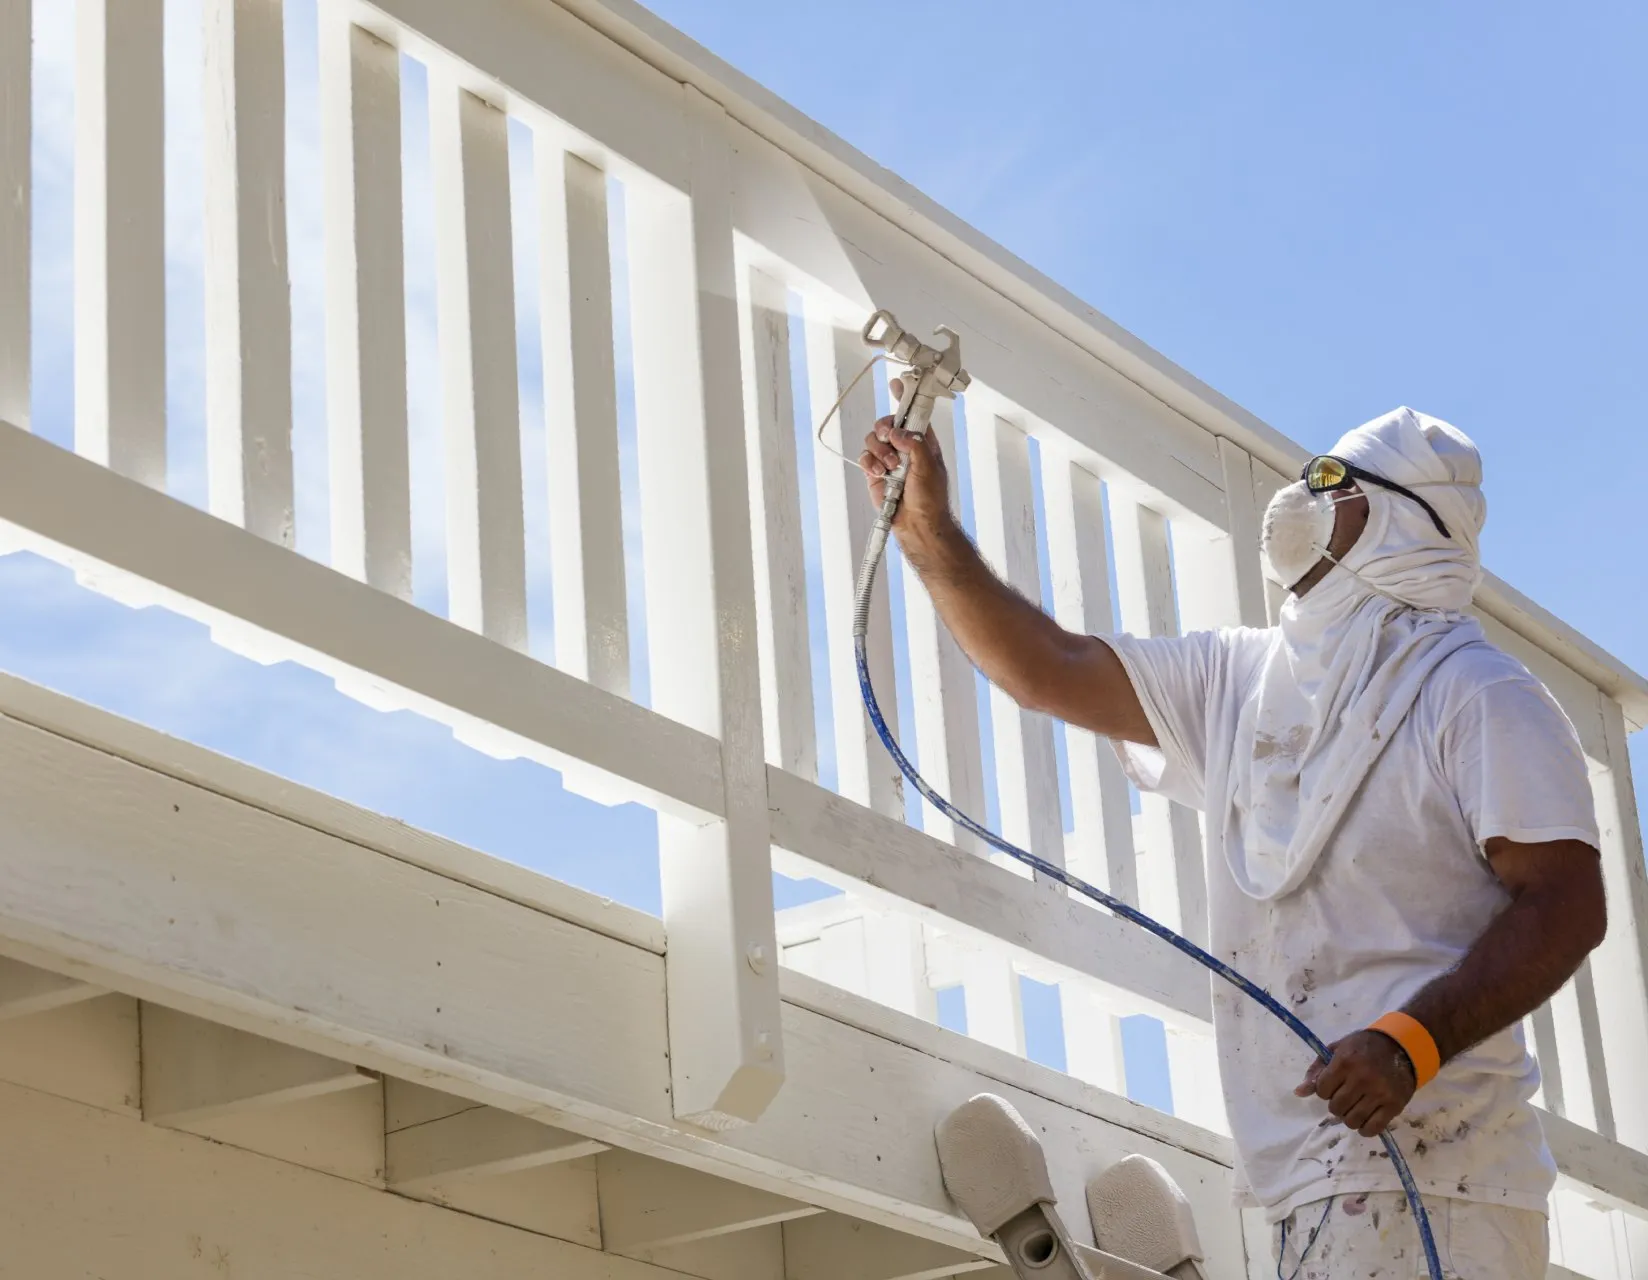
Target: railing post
(120, 239)
(16, 194)
(726, 1054)
(248, 298)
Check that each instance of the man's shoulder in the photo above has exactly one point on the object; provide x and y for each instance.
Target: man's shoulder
(1471, 670)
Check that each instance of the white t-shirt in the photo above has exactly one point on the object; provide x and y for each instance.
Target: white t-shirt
(1399, 895)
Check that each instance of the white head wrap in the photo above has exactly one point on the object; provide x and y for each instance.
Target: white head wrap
(1351, 654)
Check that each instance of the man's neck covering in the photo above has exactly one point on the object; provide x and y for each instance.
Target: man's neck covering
(1351, 655)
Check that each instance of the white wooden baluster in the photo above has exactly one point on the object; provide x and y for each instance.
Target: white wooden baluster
(1619, 967)
(943, 691)
(895, 959)
(775, 524)
(1265, 484)
(16, 185)
(1579, 1103)
(864, 770)
(1542, 1027)
(248, 300)
(842, 959)
(366, 426)
(1193, 1073)
(726, 1057)
(995, 1002)
(1590, 1028)
(485, 539)
(1101, 848)
(1092, 1039)
(120, 239)
(586, 526)
(1172, 883)
(1004, 517)
(1220, 582)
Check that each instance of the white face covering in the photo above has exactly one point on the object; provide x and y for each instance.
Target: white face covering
(1351, 655)
(1297, 527)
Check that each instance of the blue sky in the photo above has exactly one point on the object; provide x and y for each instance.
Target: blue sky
(1324, 211)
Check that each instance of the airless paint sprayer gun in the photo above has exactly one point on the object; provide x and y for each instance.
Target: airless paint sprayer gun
(934, 373)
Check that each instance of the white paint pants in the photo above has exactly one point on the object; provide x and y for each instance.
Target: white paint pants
(1372, 1236)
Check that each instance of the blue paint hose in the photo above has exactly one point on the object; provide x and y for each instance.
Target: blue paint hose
(861, 618)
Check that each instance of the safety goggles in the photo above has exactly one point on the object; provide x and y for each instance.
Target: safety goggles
(1324, 473)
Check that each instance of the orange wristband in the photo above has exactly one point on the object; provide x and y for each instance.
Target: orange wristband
(1416, 1042)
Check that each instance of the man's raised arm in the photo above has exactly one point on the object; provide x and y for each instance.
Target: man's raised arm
(1039, 664)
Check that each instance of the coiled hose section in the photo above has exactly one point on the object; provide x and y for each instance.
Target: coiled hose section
(861, 616)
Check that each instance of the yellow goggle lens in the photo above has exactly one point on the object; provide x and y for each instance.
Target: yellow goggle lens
(1325, 473)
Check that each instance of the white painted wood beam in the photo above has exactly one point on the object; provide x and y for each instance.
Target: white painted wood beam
(485, 520)
(94, 521)
(864, 770)
(829, 1247)
(649, 1204)
(943, 692)
(366, 409)
(912, 872)
(1100, 849)
(726, 1055)
(775, 523)
(268, 916)
(154, 1193)
(1004, 518)
(589, 575)
(248, 297)
(1619, 967)
(477, 1142)
(16, 205)
(26, 990)
(1608, 1172)
(195, 1071)
(1172, 882)
(120, 238)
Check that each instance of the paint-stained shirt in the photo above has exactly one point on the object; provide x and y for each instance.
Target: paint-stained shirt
(1398, 897)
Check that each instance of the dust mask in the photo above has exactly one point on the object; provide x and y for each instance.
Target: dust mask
(1297, 527)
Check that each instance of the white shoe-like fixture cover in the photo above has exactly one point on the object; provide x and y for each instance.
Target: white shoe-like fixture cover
(1140, 1214)
(993, 1164)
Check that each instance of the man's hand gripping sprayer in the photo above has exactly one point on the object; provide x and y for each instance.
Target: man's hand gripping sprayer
(934, 373)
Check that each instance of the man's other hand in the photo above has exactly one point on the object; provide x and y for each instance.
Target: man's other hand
(1367, 1084)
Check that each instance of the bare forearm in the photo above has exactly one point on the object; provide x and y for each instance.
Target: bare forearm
(1522, 959)
(1015, 644)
